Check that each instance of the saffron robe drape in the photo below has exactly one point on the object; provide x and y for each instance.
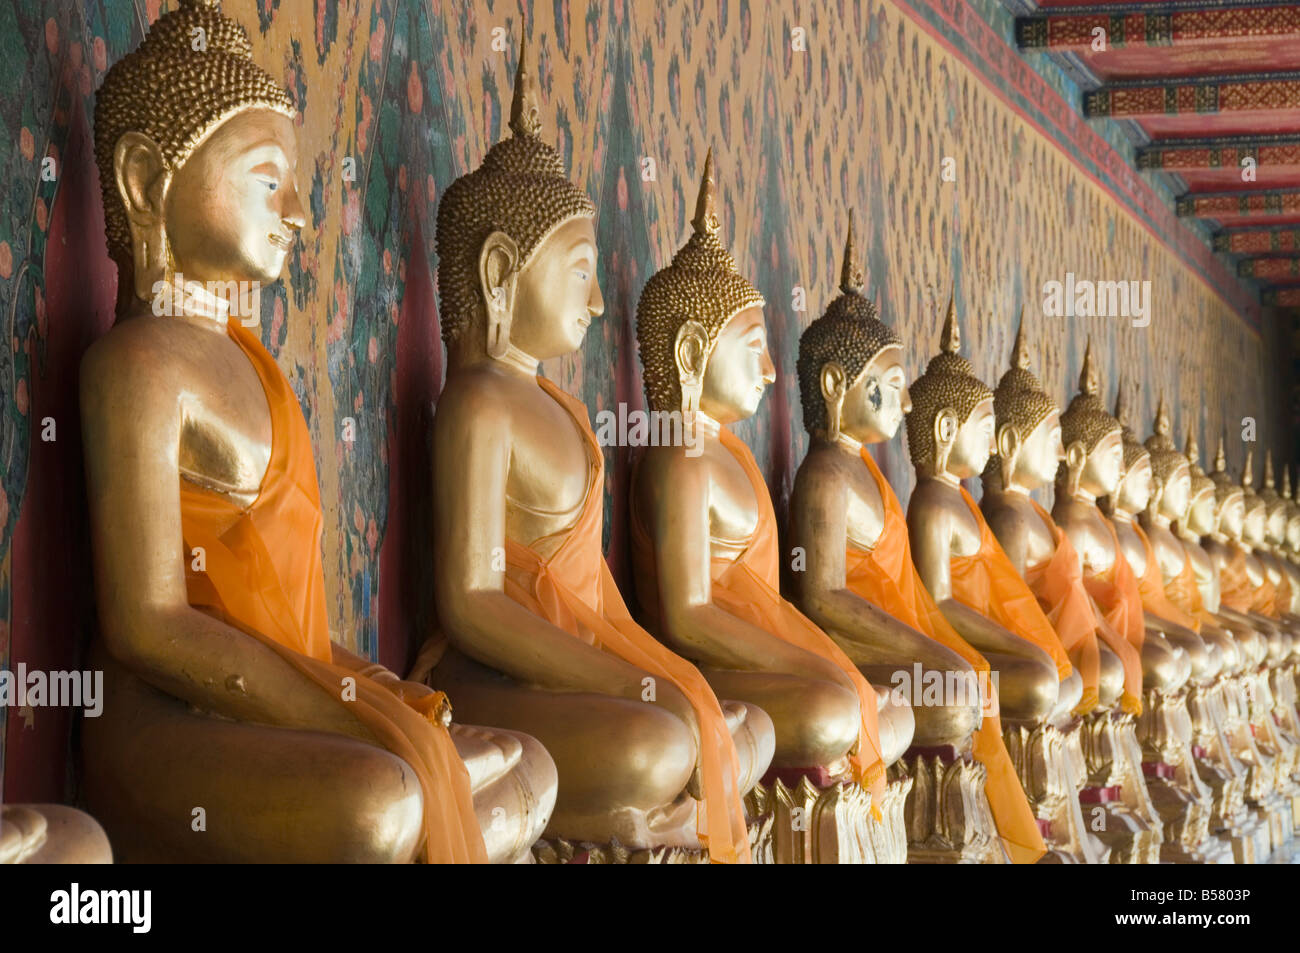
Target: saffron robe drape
(886, 576)
(1120, 598)
(1058, 583)
(262, 573)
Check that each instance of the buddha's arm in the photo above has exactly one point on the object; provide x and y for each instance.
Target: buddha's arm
(868, 634)
(131, 432)
(702, 630)
(1011, 535)
(931, 543)
(469, 547)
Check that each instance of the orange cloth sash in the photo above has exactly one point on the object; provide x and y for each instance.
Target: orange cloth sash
(1235, 590)
(574, 590)
(1152, 586)
(1120, 598)
(988, 582)
(1266, 597)
(263, 575)
(1058, 583)
(1282, 599)
(887, 577)
(748, 588)
(1186, 594)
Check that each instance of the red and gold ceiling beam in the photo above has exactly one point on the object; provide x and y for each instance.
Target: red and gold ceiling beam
(1236, 204)
(1259, 241)
(1282, 298)
(1077, 32)
(1256, 94)
(1269, 269)
(1196, 155)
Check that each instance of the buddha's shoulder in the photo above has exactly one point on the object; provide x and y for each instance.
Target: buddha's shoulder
(481, 394)
(824, 464)
(147, 351)
(677, 467)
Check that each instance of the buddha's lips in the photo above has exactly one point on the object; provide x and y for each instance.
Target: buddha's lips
(280, 241)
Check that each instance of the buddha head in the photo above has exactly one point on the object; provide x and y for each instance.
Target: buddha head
(700, 327)
(1255, 515)
(1134, 491)
(1028, 427)
(1292, 515)
(1201, 507)
(851, 377)
(197, 157)
(1275, 506)
(516, 244)
(1094, 440)
(951, 424)
(1171, 469)
(1230, 506)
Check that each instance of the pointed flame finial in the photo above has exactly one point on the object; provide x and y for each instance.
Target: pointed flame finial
(1190, 448)
(1220, 458)
(1020, 350)
(1089, 382)
(851, 275)
(1248, 471)
(1286, 481)
(706, 211)
(525, 113)
(1163, 427)
(1268, 470)
(1121, 402)
(950, 337)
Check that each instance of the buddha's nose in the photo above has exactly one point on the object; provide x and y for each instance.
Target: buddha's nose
(769, 369)
(906, 403)
(596, 302)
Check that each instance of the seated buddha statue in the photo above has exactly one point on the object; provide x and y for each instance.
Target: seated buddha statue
(534, 634)
(1157, 484)
(1092, 469)
(1264, 752)
(1029, 449)
(859, 583)
(976, 586)
(1222, 743)
(704, 535)
(228, 708)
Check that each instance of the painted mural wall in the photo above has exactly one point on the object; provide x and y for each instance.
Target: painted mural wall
(812, 109)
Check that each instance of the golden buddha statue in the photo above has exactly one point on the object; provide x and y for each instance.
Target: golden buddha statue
(537, 637)
(1027, 454)
(225, 695)
(980, 592)
(859, 583)
(1092, 468)
(1221, 740)
(1263, 751)
(705, 554)
(1156, 482)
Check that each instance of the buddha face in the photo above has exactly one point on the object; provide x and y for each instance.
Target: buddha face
(973, 443)
(1175, 498)
(875, 405)
(233, 209)
(1041, 453)
(1102, 467)
(556, 295)
(1252, 527)
(739, 369)
(1200, 513)
(1276, 526)
(1134, 491)
(1232, 515)
(1293, 533)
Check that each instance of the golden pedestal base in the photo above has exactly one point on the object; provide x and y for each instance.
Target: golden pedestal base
(948, 816)
(1049, 763)
(560, 851)
(831, 825)
(1116, 805)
